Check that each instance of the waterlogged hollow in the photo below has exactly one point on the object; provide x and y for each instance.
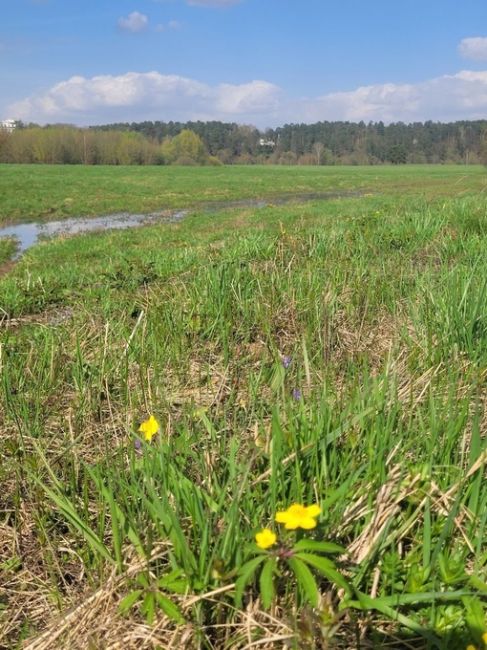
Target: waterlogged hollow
(28, 234)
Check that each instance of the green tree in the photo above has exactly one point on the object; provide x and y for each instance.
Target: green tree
(397, 154)
(187, 148)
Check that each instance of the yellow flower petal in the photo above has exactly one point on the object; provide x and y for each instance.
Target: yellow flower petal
(292, 523)
(484, 637)
(149, 428)
(470, 647)
(308, 523)
(298, 516)
(313, 511)
(266, 538)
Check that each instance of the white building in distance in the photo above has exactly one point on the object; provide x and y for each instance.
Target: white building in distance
(8, 125)
(266, 143)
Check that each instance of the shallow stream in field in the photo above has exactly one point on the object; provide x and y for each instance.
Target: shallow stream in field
(28, 234)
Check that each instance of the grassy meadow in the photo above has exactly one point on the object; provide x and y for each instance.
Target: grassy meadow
(44, 192)
(329, 353)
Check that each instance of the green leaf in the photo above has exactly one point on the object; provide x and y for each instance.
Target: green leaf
(416, 598)
(170, 609)
(166, 520)
(327, 568)
(129, 601)
(149, 607)
(69, 511)
(475, 615)
(245, 575)
(119, 517)
(321, 547)
(267, 582)
(175, 581)
(477, 583)
(427, 534)
(366, 603)
(143, 580)
(305, 580)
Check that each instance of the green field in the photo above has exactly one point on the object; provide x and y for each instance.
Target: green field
(52, 191)
(331, 352)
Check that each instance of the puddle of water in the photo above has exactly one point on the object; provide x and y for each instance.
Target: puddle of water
(28, 234)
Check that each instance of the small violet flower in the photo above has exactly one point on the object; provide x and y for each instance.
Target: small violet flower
(297, 394)
(286, 361)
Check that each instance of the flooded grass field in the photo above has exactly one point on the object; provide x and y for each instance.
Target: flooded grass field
(262, 425)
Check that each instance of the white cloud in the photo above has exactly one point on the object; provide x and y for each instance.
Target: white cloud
(171, 25)
(153, 96)
(150, 95)
(134, 22)
(474, 48)
(213, 3)
(450, 97)
(253, 97)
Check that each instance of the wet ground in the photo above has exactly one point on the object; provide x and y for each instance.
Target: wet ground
(28, 234)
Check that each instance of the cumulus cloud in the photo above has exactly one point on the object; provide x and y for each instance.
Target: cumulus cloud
(148, 95)
(253, 97)
(474, 48)
(134, 22)
(213, 3)
(449, 97)
(153, 96)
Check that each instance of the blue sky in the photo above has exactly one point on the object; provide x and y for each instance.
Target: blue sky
(264, 62)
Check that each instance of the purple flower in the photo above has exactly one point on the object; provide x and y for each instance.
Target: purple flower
(138, 446)
(297, 394)
(286, 361)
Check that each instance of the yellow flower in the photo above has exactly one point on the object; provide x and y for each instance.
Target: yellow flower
(298, 516)
(470, 647)
(266, 538)
(484, 637)
(149, 428)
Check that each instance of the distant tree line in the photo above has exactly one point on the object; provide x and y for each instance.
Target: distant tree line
(377, 143)
(329, 143)
(69, 145)
(213, 142)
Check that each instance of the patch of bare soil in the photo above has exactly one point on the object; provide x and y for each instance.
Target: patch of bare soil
(6, 267)
(54, 316)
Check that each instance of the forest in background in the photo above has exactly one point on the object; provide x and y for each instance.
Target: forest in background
(214, 142)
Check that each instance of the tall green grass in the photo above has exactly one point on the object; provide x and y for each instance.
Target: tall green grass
(379, 417)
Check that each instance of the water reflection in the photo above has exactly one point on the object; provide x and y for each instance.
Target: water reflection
(27, 234)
